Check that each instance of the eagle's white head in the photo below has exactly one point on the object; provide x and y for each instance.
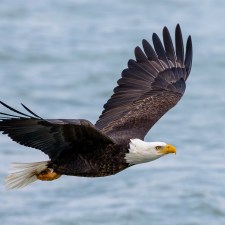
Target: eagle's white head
(141, 151)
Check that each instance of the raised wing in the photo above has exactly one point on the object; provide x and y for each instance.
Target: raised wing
(149, 87)
(52, 136)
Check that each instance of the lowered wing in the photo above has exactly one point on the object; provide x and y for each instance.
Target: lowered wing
(51, 136)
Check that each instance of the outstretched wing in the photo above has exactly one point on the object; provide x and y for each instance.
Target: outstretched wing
(149, 87)
(52, 136)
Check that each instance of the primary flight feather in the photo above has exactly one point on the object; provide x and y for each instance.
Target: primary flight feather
(150, 86)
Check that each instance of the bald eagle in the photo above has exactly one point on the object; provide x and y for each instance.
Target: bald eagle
(150, 86)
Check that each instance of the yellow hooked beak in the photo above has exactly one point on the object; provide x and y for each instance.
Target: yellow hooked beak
(169, 149)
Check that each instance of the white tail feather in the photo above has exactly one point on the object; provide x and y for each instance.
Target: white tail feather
(23, 174)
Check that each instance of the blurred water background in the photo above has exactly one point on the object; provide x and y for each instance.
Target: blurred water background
(63, 58)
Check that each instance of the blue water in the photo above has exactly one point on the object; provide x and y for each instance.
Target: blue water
(62, 59)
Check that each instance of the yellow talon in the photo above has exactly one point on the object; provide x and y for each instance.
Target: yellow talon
(48, 175)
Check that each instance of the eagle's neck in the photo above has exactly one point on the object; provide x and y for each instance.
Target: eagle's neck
(141, 152)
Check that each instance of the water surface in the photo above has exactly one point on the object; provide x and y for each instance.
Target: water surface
(63, 58)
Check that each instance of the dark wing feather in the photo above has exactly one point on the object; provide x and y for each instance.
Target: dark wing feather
(160, 49)
(188, 56)
(179, 46)
(149, 87)
(170, 53)
(52, 136)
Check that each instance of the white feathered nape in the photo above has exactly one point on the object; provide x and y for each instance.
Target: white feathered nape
(22, 174)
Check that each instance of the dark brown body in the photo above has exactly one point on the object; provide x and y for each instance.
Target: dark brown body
(92, 165)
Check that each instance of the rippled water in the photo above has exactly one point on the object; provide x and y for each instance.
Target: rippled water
(62, 59)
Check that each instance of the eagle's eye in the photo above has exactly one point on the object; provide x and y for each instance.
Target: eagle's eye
(158, 147)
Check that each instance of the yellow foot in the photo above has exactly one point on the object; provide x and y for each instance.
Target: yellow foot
(48, 175)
